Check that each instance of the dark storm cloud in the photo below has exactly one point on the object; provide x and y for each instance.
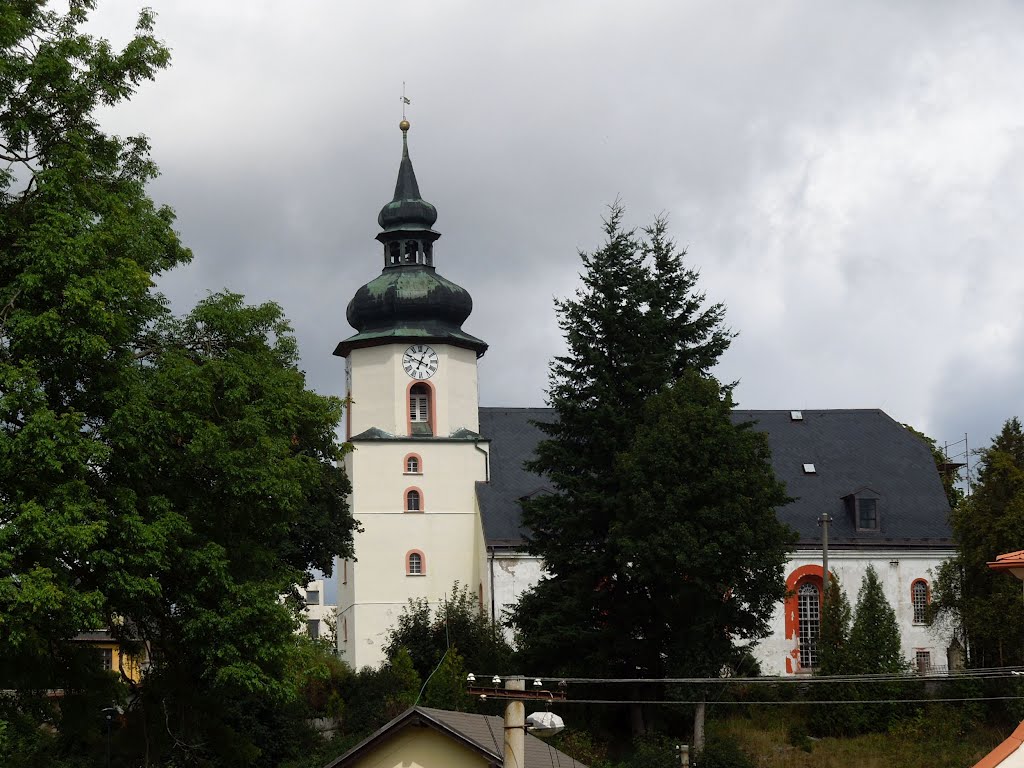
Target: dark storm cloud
(846, 176)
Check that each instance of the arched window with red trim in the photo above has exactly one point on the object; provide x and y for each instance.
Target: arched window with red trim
(803, 617)
(414, 500)
(412, 464)
(415, 563)
(919, 598)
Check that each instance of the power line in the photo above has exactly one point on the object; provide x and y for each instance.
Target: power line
(989, 673)
(795, 702)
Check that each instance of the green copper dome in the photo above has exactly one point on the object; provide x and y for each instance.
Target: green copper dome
(409, 301)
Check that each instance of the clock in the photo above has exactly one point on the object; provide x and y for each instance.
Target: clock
(420, 361)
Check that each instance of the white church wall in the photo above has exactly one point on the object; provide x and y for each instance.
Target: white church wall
(513, 573)
(778, 654)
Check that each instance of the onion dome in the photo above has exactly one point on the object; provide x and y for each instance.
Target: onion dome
(409, 301)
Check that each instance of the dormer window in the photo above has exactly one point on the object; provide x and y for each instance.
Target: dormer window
(867, 514)
(865, 509)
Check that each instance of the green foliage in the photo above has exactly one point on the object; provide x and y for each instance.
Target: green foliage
(166, 478)
(427, 633)
(798, 736)
(446, 688)
(985, 607)
(833, 656)
(79, 245)
(660, 540)
(722, 752)
(874, 645)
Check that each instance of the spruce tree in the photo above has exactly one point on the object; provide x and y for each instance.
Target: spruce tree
(874, 645)
(835, 630)
(660, 540)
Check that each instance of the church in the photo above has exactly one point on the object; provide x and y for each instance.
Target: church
(437, 480)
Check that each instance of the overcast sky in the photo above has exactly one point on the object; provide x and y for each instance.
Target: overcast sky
(848, 177)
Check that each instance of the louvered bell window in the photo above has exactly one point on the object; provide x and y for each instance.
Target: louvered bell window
(419, 410)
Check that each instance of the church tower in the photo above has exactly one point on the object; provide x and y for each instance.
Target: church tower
(413, 421)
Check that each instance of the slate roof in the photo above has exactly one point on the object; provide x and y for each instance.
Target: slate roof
(851, 450)
(513, 439)
(482, 733)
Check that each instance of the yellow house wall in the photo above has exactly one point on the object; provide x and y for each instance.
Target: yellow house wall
(121, 661)
(421, 748)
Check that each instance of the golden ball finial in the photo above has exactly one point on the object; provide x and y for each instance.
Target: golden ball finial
(404, 125)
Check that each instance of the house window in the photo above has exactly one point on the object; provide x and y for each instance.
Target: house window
(312, 597)
(923, 661)
(313, 628)
(419, 410)
(867, 514)
(919, 599)
(344, 629)
(414, 564)
(413, 464)
(107, 658)
(413, 500)
(809, 617)
(344, 571)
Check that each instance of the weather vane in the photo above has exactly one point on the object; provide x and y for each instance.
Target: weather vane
(405, 100)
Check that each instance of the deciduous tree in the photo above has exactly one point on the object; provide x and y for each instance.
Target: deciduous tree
(167, 479)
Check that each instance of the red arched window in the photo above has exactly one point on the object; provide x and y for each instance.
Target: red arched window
(919, 598)
(414, 500)
(415, 563)
(803, 617)
(412, 464)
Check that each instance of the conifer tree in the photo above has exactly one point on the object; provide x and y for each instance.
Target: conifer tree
(835, 630)
(874, 645)
(985, 607)
(660, 540)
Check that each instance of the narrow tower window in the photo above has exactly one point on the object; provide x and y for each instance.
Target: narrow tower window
(419, 410)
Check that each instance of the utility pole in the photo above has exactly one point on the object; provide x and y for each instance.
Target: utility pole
(515, 726)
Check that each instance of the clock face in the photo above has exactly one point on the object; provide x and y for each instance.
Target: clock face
(420, 361)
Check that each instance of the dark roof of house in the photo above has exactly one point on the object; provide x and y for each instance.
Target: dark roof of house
(482, 733)
(853, 452)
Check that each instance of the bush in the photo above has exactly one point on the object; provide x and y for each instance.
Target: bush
(722, 752)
